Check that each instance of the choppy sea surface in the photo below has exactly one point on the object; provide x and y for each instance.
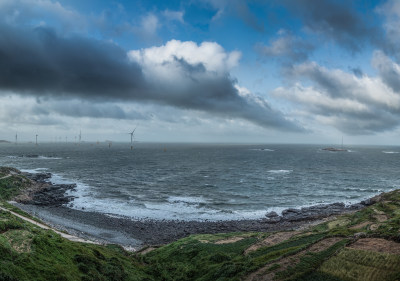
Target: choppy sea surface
(208, 182)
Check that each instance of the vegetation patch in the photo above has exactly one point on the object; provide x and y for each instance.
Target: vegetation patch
(20, 240)
(338, 223)
(219, 237)
(11, 186)
(295, 265)
(191, 259)
(361, 225)
(352, 264)
(377, 245)
(272, 239)
(311, 261)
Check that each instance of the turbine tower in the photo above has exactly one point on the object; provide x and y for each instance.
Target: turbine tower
(16, 138)
(132, 137)
(36, 139)
(80, 136)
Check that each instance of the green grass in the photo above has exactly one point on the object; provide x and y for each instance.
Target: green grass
(310, 262)
(319, 276)
(12, 186)
(191, 259)
(211, 238)
(293, 245)
(343, 221)
(360, 265)
(30, 253)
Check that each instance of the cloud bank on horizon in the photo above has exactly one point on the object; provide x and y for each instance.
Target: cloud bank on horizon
(301, 67)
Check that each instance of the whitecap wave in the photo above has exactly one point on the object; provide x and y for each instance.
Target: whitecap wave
(280, 171)
(184, 199)
(33, 157)
(49, 157)
(33, 171)
(390, 152)
(176, 210)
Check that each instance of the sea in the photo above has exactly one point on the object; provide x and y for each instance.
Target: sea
(207, 181)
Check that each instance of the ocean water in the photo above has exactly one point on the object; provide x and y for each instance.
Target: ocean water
(208, 182)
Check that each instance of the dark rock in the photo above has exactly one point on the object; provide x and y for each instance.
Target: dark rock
(367, 202)
(339, 205)
(356, 206)
(271, 214)
(38, 177)
(274, 219)
(290, 211)
(49, 194)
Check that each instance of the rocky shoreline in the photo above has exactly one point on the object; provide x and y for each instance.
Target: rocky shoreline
(47, 201)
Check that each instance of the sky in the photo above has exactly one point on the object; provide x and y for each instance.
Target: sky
(272, 71)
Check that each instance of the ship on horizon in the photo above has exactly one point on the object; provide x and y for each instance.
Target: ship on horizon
(335, 149)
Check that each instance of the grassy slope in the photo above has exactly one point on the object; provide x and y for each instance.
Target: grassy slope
(30, 253)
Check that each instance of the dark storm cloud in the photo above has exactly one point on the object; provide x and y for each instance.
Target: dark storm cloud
(40, 63)
(338, 20)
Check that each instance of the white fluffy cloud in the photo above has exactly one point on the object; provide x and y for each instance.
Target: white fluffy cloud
(159, 60)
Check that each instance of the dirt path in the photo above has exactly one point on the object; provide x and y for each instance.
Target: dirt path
(2, 178)
(64, 235)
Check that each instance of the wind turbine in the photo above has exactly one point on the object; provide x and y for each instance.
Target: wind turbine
(16, 138)
(132, 137)
(36, 139)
